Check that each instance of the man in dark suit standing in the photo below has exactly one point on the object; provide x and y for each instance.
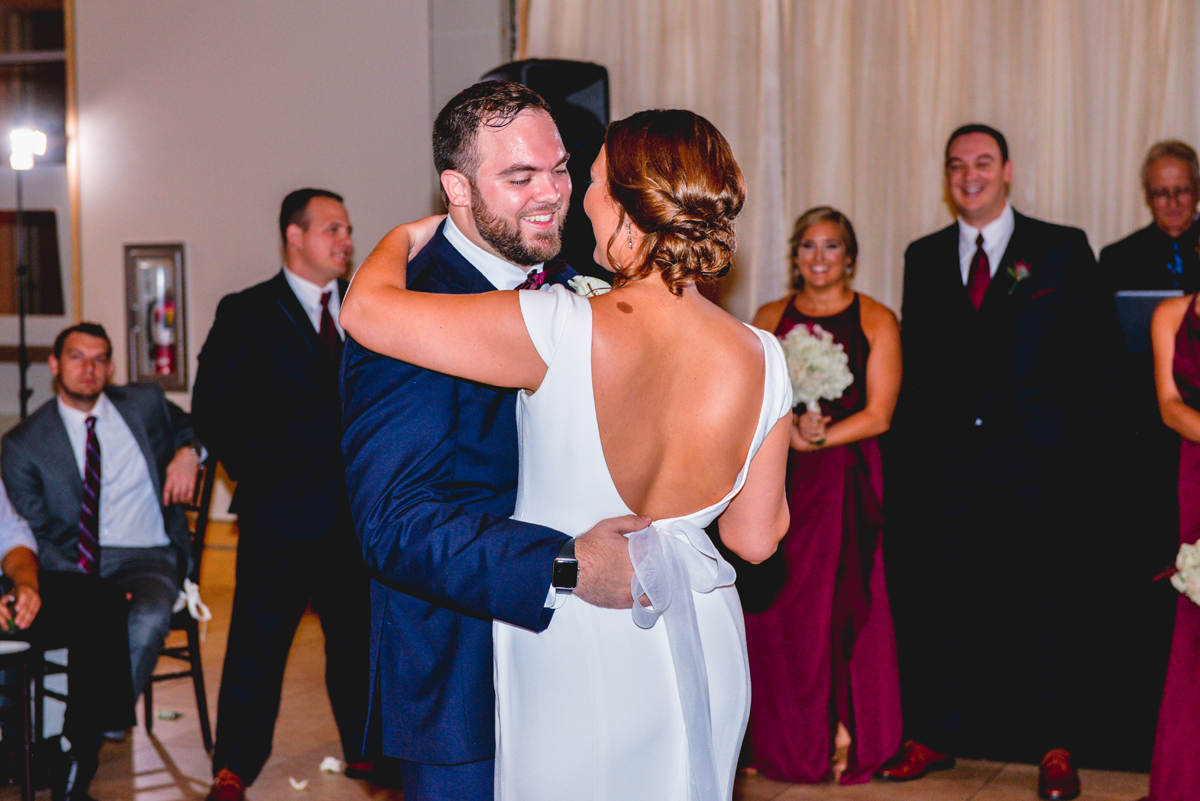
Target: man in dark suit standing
(99, 473)
(266, 400)
(1160, 256)
(1163, 254)
(432, 466)
(1007, 334)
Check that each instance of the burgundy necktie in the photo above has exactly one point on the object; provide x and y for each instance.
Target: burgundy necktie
(538, 280)
(328, 332)
(89, 509)
(979, 275)
(533, 280)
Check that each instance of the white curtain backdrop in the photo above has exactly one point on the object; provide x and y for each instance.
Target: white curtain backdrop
(849, 102)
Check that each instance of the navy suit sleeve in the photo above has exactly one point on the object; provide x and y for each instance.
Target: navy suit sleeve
(399, 447)
(216, 396)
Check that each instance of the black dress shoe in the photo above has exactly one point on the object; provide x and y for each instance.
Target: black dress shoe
(70, 774)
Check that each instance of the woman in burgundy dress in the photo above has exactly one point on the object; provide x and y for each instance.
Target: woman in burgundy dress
(826, 694)
(1175, 769)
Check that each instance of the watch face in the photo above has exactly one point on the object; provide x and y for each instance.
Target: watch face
(566, 574)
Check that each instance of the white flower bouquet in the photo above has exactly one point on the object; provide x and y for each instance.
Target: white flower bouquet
(818, 367)
(588, 286)
(1186, 577)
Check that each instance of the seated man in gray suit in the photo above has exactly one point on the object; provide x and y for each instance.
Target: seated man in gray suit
(98, 472)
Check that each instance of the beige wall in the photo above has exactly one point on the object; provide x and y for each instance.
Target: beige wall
(195, 118)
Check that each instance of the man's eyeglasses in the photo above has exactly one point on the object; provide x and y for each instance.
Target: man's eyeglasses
(1177, 194)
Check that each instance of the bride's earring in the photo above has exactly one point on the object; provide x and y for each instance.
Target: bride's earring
(629, 234)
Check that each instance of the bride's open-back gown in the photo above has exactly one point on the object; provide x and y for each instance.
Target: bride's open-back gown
(590, 709)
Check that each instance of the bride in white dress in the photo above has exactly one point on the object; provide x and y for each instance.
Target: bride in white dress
(649, 400)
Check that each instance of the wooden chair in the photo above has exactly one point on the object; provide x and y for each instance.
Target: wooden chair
(183, 621)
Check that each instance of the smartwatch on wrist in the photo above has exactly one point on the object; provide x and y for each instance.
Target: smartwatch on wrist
(565, 577)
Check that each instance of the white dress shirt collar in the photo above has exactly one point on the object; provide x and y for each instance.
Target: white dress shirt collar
(995, 240)
(309, 295)
(74, 419)
(499, 273)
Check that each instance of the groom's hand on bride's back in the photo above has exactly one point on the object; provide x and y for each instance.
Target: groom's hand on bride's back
(605, 571)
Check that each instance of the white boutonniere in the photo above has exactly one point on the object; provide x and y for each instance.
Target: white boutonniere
(1019, 272)
(588, 286)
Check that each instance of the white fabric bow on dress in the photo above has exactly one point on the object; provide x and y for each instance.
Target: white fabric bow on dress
(670, 561)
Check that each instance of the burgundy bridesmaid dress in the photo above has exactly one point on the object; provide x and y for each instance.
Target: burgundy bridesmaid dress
(1175, 769)
(825, 649)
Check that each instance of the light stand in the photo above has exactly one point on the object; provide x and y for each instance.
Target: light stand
(26, 144)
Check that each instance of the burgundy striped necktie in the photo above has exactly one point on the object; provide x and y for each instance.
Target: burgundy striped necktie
(541, 277)
(533, 280)
(979, 275)
(89, 510)
(328, 332)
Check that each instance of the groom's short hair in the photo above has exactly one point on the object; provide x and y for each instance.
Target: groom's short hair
(491, 103)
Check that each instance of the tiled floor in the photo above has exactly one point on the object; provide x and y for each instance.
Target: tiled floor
(969, 780)
(171, 764)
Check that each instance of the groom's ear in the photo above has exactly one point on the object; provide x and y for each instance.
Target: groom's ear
(457, 188)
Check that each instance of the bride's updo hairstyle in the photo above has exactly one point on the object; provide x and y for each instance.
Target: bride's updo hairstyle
(672, 173)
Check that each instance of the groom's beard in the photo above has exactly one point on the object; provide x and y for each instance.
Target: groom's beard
(505, 235)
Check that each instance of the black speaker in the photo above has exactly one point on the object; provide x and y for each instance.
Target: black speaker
(577, 92)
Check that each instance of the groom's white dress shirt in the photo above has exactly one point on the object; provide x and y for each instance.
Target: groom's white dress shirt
(500, 273)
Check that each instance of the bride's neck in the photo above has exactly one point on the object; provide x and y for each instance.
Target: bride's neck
(652, 286)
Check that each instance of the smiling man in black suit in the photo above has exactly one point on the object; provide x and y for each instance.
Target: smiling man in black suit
(267, 396)
(1006, 337)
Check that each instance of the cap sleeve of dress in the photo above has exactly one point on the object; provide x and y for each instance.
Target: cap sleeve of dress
(778, 383)
(546, 314)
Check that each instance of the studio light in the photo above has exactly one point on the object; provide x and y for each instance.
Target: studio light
(26, 143)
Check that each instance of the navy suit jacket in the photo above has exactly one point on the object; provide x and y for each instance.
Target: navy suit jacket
(431, 468)
(42, 477)
(266, 400)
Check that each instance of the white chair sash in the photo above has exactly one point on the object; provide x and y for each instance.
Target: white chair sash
(189, 596)
(670, 561)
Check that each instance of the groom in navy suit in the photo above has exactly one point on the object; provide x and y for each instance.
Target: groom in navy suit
(1008, 338)
(431, 466)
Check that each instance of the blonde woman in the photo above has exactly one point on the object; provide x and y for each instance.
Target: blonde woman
(826, 698)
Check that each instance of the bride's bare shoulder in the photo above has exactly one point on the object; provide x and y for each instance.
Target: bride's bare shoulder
(730, 334)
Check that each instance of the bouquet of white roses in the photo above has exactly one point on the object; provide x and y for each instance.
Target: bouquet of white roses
(818, 367)
(1186, 577)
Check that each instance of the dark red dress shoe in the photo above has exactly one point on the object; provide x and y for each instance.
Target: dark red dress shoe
(913, 762)
(226, 786)
(360, 770)
(1057, 778)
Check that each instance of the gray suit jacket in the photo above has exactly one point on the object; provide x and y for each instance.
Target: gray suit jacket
(43, 481)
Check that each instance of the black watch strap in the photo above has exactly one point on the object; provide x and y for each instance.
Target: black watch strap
(565, 577)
